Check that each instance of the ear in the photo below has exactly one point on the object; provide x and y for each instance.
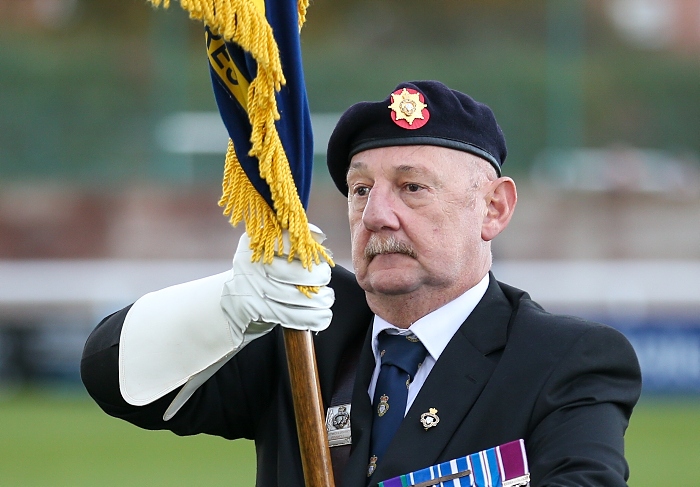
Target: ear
(500, 204)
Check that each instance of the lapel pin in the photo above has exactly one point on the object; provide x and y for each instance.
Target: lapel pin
(383, 406)
(372, 465)
(338, 425)
(429, 419)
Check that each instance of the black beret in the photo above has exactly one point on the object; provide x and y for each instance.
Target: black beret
(416, 113)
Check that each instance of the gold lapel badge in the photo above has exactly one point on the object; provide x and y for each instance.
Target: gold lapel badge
(408, 109)
(429, 419)
(383, 405)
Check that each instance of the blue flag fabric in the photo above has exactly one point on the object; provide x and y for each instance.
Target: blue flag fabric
(232, 70)
(257, 75)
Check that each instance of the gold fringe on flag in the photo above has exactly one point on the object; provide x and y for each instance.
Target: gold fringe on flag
(241, 22)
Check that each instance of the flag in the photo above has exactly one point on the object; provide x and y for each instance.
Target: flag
(254, 53)
(502, 466)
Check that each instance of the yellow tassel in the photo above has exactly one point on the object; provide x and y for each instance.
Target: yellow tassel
(241, 22)
(302, 7)
(242, 202)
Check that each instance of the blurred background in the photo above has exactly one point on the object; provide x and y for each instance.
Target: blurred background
(111, 156)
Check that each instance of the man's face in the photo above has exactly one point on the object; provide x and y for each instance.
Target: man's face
(415, 216)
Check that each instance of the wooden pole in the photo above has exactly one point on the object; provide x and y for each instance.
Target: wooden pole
(308, 409)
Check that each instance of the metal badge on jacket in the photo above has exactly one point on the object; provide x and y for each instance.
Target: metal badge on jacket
(338, 425)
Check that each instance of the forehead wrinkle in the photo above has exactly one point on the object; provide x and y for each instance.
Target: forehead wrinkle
(424, 166)
(360, 166)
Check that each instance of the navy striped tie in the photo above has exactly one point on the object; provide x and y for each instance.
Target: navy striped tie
(401, 356)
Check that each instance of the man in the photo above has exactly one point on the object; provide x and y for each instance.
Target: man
(422, 172)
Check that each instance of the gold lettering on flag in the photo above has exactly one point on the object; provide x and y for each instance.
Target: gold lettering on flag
(226, 69)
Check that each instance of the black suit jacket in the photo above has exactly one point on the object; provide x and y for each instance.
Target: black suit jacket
(564, 385)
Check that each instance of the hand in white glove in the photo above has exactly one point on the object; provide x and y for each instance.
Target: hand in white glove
(260, 296)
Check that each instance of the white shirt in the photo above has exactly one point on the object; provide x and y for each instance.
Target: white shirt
(434, 330)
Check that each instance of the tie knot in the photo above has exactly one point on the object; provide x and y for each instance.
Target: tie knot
(405, 352)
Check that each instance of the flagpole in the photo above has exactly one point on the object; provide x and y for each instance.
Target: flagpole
(308, 408)
(262, 196)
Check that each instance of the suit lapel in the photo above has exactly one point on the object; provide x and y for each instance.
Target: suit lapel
(360, 419)
(452, 387)
(351, 316)
(329, 353)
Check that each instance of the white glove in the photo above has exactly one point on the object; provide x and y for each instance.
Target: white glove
(260, 296)
(182, 335)
(171, 335)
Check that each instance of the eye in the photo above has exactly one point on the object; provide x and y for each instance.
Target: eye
(360, 191)
(358, 197)
(413, 187)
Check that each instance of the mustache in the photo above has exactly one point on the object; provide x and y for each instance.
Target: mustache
(390, 245)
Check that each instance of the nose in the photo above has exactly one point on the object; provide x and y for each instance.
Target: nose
(380, 211)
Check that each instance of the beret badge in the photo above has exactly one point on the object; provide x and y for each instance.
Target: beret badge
(408, 109)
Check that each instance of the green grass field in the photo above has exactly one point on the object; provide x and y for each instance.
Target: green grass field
(67, 441)
(64, 440)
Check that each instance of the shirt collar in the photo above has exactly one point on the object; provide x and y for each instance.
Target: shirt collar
(437, 328)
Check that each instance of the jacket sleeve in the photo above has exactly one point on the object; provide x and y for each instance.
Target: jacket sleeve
(228, 405)
(580, 417)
